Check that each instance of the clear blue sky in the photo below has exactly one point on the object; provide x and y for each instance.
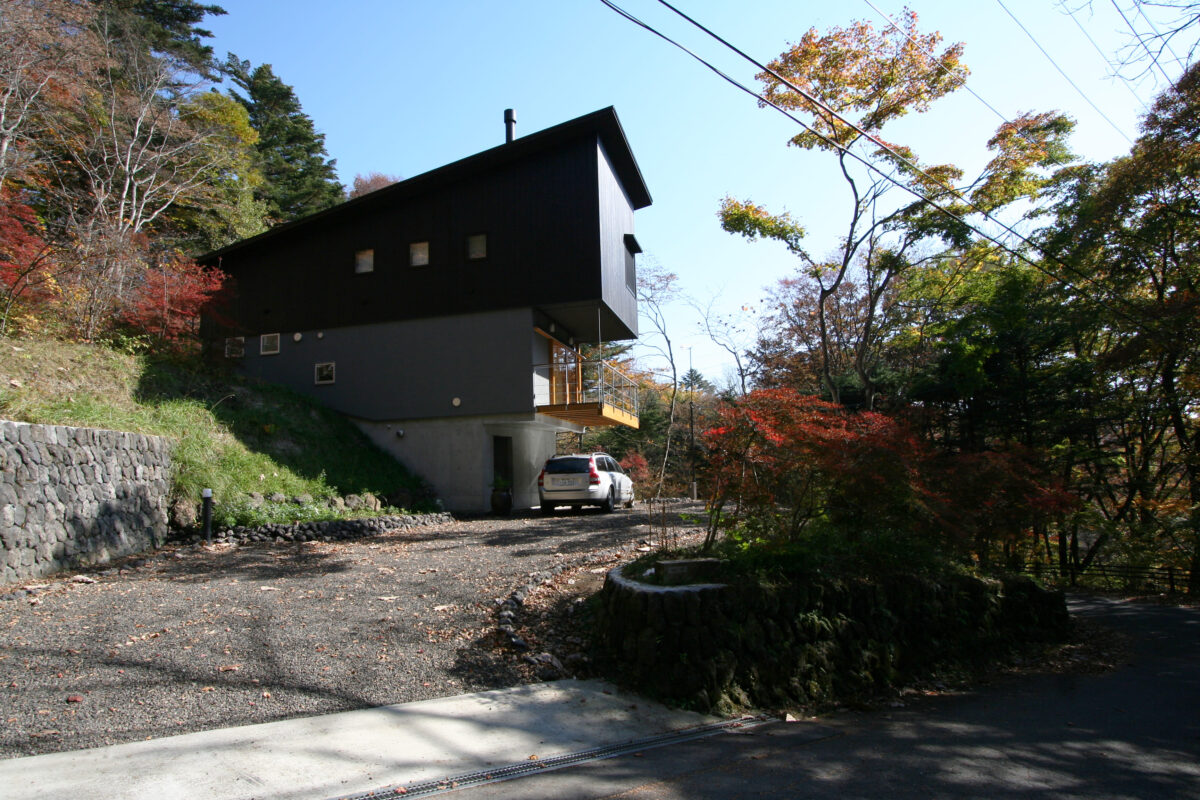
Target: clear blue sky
(402, 87)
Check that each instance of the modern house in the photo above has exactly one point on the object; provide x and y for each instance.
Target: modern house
(443, 313)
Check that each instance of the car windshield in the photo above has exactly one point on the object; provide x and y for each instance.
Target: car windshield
(562, 465)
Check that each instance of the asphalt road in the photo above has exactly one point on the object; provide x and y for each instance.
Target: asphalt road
(1130, 733)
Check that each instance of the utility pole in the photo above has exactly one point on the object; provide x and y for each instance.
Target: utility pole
(692, 423)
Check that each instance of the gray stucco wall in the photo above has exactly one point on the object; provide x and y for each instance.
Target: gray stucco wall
(78, 496)
(410, 369)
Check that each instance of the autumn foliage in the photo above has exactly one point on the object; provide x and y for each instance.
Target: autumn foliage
(167, 304)
(26, 259)
(637, 467)
(784, 465)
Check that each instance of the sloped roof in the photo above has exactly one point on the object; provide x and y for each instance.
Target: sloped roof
(603, 123)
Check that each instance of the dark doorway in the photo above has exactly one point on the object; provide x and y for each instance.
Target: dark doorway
(502, 460)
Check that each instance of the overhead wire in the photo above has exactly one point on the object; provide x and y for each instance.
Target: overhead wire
(831, 142)
(833, 114)
(1138, 38)
(1062, 72)
(883, 145)
(846, 150)
(1116, 72)
(962, 78)
(1166, 40)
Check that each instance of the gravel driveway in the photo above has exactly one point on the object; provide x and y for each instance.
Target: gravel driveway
(196, 638)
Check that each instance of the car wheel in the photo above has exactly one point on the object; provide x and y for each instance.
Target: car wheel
(610, 502)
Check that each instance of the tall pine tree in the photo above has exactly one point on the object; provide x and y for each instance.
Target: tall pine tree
(300, 179)
(166, 27)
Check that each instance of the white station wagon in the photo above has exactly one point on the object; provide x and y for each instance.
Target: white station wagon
(584, 480)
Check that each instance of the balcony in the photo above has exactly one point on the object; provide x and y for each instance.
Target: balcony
(592, 393)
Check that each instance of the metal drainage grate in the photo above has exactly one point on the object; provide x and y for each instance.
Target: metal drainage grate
(524, 768)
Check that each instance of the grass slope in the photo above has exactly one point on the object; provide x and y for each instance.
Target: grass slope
(232, 434)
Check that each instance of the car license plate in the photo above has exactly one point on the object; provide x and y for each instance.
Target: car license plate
(562, 482)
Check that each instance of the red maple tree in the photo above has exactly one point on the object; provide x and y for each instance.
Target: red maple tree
(786, 460)
(168, 302)
(27, 265)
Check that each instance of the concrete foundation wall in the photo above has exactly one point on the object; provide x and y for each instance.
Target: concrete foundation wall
(78, 496)
(455, 455)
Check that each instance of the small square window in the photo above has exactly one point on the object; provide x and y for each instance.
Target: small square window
(477, 247)
(418, 254)
(324, 372)
(268, 344)
(364, 261)
(235, 346)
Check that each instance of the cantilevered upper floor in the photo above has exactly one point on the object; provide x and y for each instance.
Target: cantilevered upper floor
(542, 222)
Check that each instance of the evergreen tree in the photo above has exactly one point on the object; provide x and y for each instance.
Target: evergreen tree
(694, 381)
(299, 179)
(167, 27)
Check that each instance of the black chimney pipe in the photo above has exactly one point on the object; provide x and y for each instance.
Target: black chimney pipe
(510, 123)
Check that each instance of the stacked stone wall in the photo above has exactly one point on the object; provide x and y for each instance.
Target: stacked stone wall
(73, 497)
(717, 648)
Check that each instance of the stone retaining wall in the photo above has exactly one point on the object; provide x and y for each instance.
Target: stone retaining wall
(78, 496)
(717, 647)
(323, 530)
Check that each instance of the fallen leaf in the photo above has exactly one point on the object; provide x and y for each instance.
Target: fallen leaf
(229, 667)
(75, 698)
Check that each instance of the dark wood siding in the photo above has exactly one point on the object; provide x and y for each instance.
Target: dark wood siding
(540, 214)
(616, 220)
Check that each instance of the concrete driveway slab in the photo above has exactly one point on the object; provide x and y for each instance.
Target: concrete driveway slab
(356, 751)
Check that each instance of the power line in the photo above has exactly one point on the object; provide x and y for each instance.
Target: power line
(850, 124)
(1166, 41)
(1063, 73)
(838, 145)
(962, 79)
(846, 150)
(1138, 38)
(1125, 81)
